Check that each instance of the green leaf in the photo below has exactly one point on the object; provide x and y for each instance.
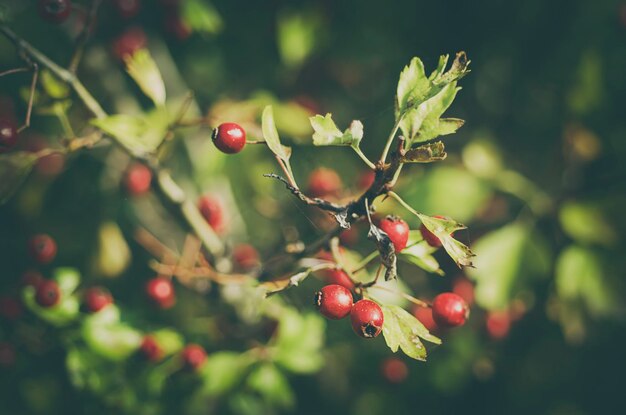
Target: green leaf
(169, 340)
(68, 280)
(389, 292)
(273, 386)
(299, 341)
(141, 134)
(201, 16)
(61, 314)
(270, 134)
(419, 252)
(443, 228)
(587, 222)
(327, 133)
(109, 338)
(425, 154)
(413, 86)
(223, 371)
(403, 331)
(142, 68)
(14, 168)
(297, 35)
(53, 86)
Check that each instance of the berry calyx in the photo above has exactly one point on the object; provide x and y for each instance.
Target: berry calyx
(96, 298)
(193, 356)
(450, 310)
(324, 182)
(150, 349)
(211, 209)
(229, 138)
(137, 179)
(430, 238)
(8, 134)
(334, 301)
(48, 294)
(42, 248)
(245, 257)
(54, 11)
(425, 316)
(394, 370)
(367, 318)
(397, 230)
(129, 42)
(161, 291)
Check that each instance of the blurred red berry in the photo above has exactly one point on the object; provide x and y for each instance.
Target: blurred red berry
(425, 316)
(324, 182)
(430, 237)
(211, 209)
(161, 291)
(397, 230)
(48, 293)
(137, 179)
(42, 248)
(150, 349)
(333, 301)
(129, 42)
(177, 27)
(498, 324)
(54, 11)
(450, 310)
(394, 370)
(96, 298)
(193, 356)
(245, 257)
(367, 318)
(229, 138)
(464, 288)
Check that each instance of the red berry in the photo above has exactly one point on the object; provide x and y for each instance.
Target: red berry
(464, 288)
(430, 238)
(339, 277)
(54, 11)
(10, 308)
(498, 324)
(245, 257)
(48, 293)
(397, 230)
(176, 26)
(193, 356)
(366, 179)
(42, 248)
(211, 209)
(394, 370)
(31, 278)
(7, 354)
(324, 182)
(8, 134)
(229, 138)
(450, 310)
(150, 349)
(367, 318)
(127, 8)
(161, 291)
(96, 298)
(129, 42)
(137, 179)
(334, 301)
(425, 316)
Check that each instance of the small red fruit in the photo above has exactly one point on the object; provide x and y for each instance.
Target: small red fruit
(339, 277)
(129, 42)
(425, 316)
(430, 238)
(193, 356)
(450, 310)
(367, 318)
(150, 349)
(498, 324)
(324, 182)
(96, 298)
(349, 237)
(211, 209)
(397, 230)
(464, 288)
(10, 308)
(245, 257)
(8, 134)
(334, 301)
(47, 293)
(394, 370)
(138, 178)
(161, 291)
(31, 278)
(229, 138)
(42, 248)
(366, 179)
(127, 8)
(54, 11)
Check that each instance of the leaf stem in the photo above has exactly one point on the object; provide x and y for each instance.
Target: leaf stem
(395, 196)
(361, 265)
(392, 135)
(364, 158)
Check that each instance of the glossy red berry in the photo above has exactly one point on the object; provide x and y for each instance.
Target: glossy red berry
(137, 179)
(150, 349)
(229, 138)
(47, 293)
(498, 324)
(430, 238)
(245, 257)
(42, 248)
(129, 42)
(450, 310)
(394, 370)
(161, 291)
(464, 288)
(334, 301)
(425, 316)
(324, 182)
(96, 298)
(367, 318)
(336, 275)
(211, 209)
(8, 134)
(54, 11)
(193, 356)
(10, 308)
(397, 230)
(127, 8)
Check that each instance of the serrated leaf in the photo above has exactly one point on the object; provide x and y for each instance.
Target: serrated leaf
(443, 228)
(14, 168)
(418, 252)
(141, 134)
(425, 154)
(422, 123)
(143, 69)
(403, 331)
(386, 250)
(201, 16)
(413, 86)
(327, 133)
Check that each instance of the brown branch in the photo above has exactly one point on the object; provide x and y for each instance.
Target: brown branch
(311, 201)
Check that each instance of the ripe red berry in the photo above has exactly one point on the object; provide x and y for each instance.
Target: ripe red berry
(245, 257)
(211, 209)
(137, 179)
(334, 301)
(129, 42)
(96, 298)
(42, 248)
(450, 310)
(161, 291)
(367, 318)
(366, 179)
(54, 11)
(394, 370)
(430, 238)
(349, 237)
(324, 182)
(127, 8)
(334, 276)
(8, 134)
(425, 316)
(464, 288)
(150, 349)
(397, 230)
(498, 324)
(229, 138)
(193, 356)
(176, 26)
(10, 308)
(47, 293)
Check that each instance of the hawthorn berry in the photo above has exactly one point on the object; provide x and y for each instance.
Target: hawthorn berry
(464, 288)
(54, 11)
(349, 237)
(137, 179)
(129, 42)
(10, 308)
(450, 310)
(229, 138)
(96, 298)
(324, 182)
(211, 209)
(367, 318)
(394, 370)
(193, 356)
(336, 275)
(150, 349)
(366, 179)
(161, 291)
(48, 293)
(334, 301)
(430, 238)
(425, 316)
(8, 134)
(245, 257)
(42, 248)
(127, 8)
(498, 324)
(397, 230)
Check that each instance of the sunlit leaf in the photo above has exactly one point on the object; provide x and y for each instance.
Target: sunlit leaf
(53, 86)
(270, 134)
(201, 16)
(223, 371)
(143, 69)
(403, 331)
(141, 134)
(67, 279)
(270, 382)
(419, 252)
(443, 228)
(299, 341)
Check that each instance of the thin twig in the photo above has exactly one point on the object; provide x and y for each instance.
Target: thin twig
(312, 201)
(83, 37)
(15, 70)
(31, 97)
